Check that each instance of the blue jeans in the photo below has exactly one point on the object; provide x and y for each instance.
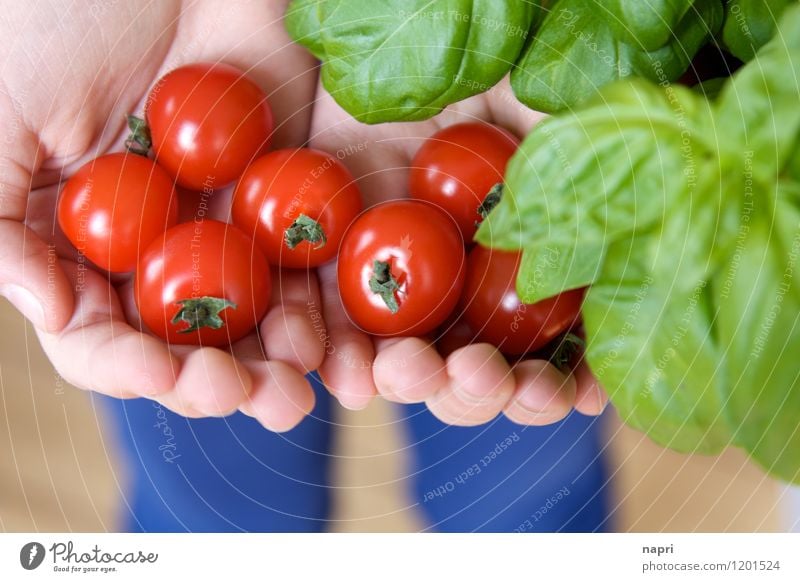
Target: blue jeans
(230, 474)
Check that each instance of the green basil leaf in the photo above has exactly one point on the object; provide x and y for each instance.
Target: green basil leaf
(553, 268)
(303, 21)
(791, 169)
(543, 9)
(711, 88)
(684, 213)
(749, 24)
(759, 325)
(599, 174)
(647, 24)
(575, 53)
(408, 59)
(758, 110)
(649, 346)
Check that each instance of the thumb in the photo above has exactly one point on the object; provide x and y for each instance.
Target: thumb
(32, 279)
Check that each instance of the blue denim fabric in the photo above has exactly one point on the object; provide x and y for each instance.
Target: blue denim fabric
(222, 474)
(229, 474)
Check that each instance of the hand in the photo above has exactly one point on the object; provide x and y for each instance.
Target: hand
(474, 383)
(68, 80)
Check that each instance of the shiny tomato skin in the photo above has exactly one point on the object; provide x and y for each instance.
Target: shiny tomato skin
(208, 121)
(494, 312)
(426, 254)
(457, 166)
(198, 259)
(284, 184)
(114, 206)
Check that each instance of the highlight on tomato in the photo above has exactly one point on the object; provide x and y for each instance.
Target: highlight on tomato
(204, 283)
(297, 204)
(401, 268)
(114, 206)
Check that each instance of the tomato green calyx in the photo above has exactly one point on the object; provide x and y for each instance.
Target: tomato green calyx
(384, 284)
(139, 141)
(305, 228)
(492, 199)
(201, 312)
(566, 346)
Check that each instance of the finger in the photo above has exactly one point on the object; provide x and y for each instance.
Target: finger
(481, 385)
(98, 350)
(30, 276)
(212, 382)
(543, 395)
(32, 279)
(293, 330)
(281, 396)
(347, 367)
(590, 398)
(408, 370)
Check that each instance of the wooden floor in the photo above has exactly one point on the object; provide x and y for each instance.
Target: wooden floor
(58, 472)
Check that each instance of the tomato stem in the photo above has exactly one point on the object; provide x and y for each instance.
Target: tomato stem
(305, 228)
(492, 199)
(201, 312)
(139, 141)
(567, 345)
(384, 284)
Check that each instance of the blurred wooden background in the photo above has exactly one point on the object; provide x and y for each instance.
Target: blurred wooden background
(58, 472)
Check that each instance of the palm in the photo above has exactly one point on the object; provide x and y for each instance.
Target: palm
(74, 109)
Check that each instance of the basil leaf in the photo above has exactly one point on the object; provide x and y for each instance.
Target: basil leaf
(689, 211)
(711, 88)
(759, 323)
(303, 21)
(598, 175)
(749, 24)
(553, 268)
(792, 167)
(647, 24)
(648, 345)
(759, 107)
(408, 59)
(576, 52)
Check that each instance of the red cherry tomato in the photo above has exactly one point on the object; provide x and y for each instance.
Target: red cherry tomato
(203, 283)
(401, 268)
(458, 166)
(297, 204)
(207, 122)
(114, 206)
(495, 313)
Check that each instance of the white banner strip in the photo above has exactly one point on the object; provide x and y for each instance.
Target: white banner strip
(399, 557)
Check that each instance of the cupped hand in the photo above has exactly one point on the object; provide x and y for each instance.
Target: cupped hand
(68, 80)
(474, 383)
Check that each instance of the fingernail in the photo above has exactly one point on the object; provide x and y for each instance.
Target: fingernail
(534, 412)
(26, 303)
(468, 395)
(604, 407)
(538, 397)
